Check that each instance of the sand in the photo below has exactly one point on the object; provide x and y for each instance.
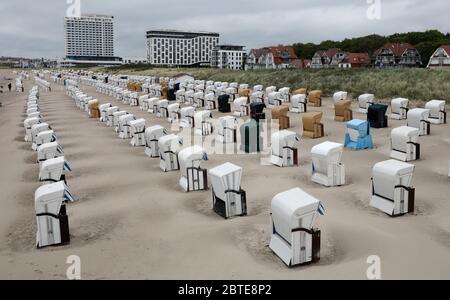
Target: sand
(132, 221)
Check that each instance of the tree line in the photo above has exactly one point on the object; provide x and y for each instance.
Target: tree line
(425, 42)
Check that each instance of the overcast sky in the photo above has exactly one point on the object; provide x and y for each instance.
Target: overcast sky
(35, 28)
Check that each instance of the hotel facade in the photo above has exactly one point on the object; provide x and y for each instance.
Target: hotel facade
(180, 48)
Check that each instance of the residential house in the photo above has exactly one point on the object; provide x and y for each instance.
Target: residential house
(301, 64)
(324, 58)
(440, 58)
(397, 54)
(354, 61)
(277, 57)
(253, 57)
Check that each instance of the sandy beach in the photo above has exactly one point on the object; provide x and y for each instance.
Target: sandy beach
(132, 221)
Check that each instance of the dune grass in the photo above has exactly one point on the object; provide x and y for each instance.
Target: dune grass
(415, 84)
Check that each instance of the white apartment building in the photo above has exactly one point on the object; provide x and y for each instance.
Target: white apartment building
(228, 57)
(89, 38)
(180, 48)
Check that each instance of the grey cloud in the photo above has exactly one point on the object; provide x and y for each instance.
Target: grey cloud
(35, 28)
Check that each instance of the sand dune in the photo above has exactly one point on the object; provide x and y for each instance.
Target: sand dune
(131, 220)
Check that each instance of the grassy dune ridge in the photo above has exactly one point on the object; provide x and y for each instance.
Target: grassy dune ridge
(415, 84)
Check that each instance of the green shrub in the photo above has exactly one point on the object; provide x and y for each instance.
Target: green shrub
(415, 84)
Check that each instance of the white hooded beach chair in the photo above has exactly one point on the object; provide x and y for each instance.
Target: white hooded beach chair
(126, 96)
(189, 97)
(229, 199)
(152, 136)
(103, 111)
(284, 151)
(137, 128)
(77, 97)
(162, 108)
(193, 177)
(115, 119)
(32, 110)
(210, 101)
(364, 101)
(51, 216)
(43, 137)
(243, 86)
(173, 110)
(285, 94)
(240, 107)
(54, 169)
(418, 118)
(203, 123)
(109, 114)
(269, 89)
(134, 99)
(231, 91)
(28, 124)
(226, 130)
(298, 103)
(32, 104)
(399, 108)
(124, 126)
(48, 151)
(119, 93)
(37, 128)
(169, 146)
(179, 96)
(35, 115)
(339, 96)
(187, 117)
(392, 192)
(190, 87)
(258, 88)
(438, 115)
(199, 88)
(404, 143)
(153, 105)
(327, 166)
(199, 99)
(210, 89)
(257, 97)
(234, 85)
(84, 103)
(294, 239)
(274, 99)
(143, 102)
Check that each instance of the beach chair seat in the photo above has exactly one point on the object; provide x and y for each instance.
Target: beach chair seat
(280, 113)
(229, 199)
(312, 127)
(315, 98)
(294, 239)
(343, 111)
(392, 191)
(193, 176)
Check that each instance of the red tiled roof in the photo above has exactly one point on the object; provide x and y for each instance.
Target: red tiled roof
(320, 53)
(446, 48)
(279, 51)
(258, 52)
(359, 58)
(332, 52)
(301, 63)
(397, 48)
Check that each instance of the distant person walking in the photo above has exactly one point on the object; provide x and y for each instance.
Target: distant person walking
(9, 86)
